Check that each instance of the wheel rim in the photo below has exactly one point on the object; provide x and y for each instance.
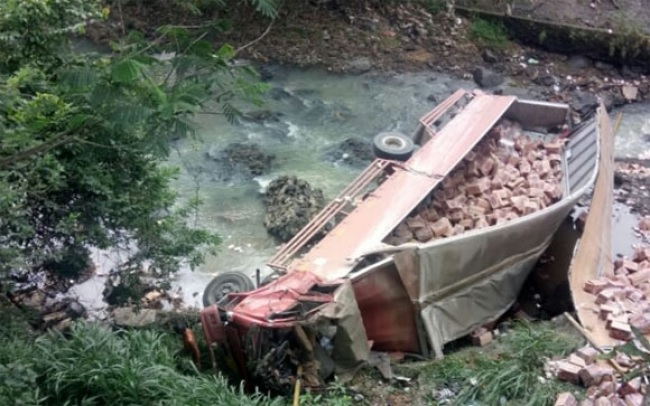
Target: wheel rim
(393, 142)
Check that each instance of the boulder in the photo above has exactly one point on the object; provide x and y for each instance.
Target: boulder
(290, 204)
(240, 160)
(578, 62)
(128, 317)
(584, 102)
(485, 78)
(359, 65)
(351, 151)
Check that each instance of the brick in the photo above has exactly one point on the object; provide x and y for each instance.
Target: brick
(475, 210)
(496, 183)
(495, 200)
(456, 215)
(623, 360)
(641, 254)
(568, 372)
(416, 222)
(593, 374)
(621, 318)
(481, 222)
(458, 229)
(482, 337)
(442, 227)
(402, 230)
(634, 399)
(467, 223)
(606, 388)
(483, 202)
(575, 360)
(640, 277)
(630, 387)
(566, 399)
(424, 234)
(472, 169)
(512, 159)
(586, 402)
(588, 354)
(487, 166)
(456, 202)
(478, 187)
(431, 214)
(644, 224)
(620, 331)
(636, 296)
(554, 158)
(531, 206)
(519, 203)
(630, 265)
(641, 322)
(542, 167)
(602, 401)
(515, 182)
(553, 147)
(595, 286)
(535, 192)
(605, 296)
(524, 167)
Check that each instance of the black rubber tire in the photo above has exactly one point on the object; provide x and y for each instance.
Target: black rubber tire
(393, 145)
(224, 283)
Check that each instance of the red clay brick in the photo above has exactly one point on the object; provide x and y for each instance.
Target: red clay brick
(602, 401)
(640, 277)
(595, 286)
(487, 166)
(568, 372)
(620, 331)
(442, 227)
(641, 322)
(424, 234)
(588, 354)
(553, 147)
(605, 296)
(566, 399)
(593, 374)
(481, 222)
(606, 388)
(631, 386)
(482, 337)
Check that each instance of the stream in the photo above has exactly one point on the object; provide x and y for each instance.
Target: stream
(312, 112)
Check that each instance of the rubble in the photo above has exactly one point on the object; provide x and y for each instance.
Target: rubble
(621, 301)
(506, 176)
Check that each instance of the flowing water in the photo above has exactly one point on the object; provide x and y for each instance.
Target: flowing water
(314, 111)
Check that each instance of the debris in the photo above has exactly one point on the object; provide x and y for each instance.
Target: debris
(566, 399)
(630, 93)
(482, 337)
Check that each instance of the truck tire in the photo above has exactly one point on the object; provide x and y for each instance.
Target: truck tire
(393, 145)
(223, 284)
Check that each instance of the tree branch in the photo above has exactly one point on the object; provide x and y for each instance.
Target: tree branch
(256, 40)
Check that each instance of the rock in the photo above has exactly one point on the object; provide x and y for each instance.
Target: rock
(352, 151)
(603, 66)
(630, 93)
(485, 78)
(546, 80)
(489, 56)
(127, 317)
(432, 98)
(359, 65)
(584, 102)
(290, 204)
(578, 62)
(63, 325)
(76, 310)
(241, 160)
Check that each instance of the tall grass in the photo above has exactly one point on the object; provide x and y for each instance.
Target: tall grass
(510, 374)
(489, 34)
(93, 365)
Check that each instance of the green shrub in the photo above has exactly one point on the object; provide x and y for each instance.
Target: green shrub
(488, 34)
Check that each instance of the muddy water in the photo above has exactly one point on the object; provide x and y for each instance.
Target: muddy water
(313, 112)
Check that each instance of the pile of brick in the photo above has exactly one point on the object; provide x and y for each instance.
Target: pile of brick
(621, 299)
(506, 176)
(600, 381)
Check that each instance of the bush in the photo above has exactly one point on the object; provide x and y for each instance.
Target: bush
(489, 34)
(97, 366)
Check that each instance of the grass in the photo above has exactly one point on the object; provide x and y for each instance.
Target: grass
(510, 373)
(94, 365)
(489, 34)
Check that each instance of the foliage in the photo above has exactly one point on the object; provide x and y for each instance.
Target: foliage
(336, 395)
(84, 136)
(96, 366)
(509, 376)
(488, 33)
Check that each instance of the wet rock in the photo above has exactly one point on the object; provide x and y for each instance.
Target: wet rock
(546, 80)
(240, 161)
(261, 116)
(584, 102)
(489, 56)
(76, 310)
(432, 98)
(359, 65)
(290, 204)
(128, 317)
(578, 62)
(485, 78)
(352, 151)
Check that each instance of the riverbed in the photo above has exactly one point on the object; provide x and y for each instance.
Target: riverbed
(311, 112)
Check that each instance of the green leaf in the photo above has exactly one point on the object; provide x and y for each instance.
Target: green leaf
(127, 71)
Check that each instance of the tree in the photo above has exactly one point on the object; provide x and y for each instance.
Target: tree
(84, 136)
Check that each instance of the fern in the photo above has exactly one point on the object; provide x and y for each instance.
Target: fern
(268, 8)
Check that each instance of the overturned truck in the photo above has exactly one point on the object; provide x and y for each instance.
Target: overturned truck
(432, 240)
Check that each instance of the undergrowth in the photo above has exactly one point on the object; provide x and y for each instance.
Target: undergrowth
(94, 365)
(511, 374)
(489, 34)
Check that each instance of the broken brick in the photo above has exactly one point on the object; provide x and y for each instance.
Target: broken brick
(595, 286)
(620, 331)
(415, 222)
(602, 401)
(605, 296)
(634, 399)
(630, 265)
(566, 399)
(606, 388)
(594, 374)
(478, 187)
(588, 354)
(576, 360)
(568, 372)
(482, 337)
(639, 277)
(424, 234)
(631, 386)
(487, 166)
(442, 227)
(641, 322)
(481, 222)
(553, 147)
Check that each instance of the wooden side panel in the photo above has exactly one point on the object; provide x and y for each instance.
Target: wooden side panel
(593, 257)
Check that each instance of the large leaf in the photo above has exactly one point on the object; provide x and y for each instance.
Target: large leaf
(127, 71)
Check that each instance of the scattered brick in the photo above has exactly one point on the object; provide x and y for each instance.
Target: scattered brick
(442, 227)
(588, 354)
(595, 286)
(620, 331)
(566, 399)
(568, 372)
(482, 337)
(634, 399)
(630, 387)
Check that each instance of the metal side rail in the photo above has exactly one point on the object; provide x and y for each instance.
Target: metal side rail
(431, 117)
(287, 251)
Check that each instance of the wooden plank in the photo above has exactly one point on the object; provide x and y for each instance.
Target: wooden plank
(593, 257)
